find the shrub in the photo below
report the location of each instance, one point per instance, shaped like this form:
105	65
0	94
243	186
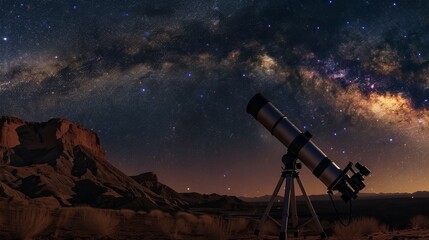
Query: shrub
182	227
162	222
214	228
238	225
185	223
98	221
358	228
142	212
270	227
187	217
127	213
95	221
28	222
63	220
419	221
158	214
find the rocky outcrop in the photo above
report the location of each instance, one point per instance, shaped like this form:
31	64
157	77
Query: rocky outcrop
8	135
44	142
60	161
187	200
165	194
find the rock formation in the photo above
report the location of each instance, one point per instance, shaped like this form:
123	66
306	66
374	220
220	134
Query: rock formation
59	163
64	164
44	142
169	196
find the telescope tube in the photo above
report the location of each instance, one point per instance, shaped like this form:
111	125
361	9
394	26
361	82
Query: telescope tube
298	143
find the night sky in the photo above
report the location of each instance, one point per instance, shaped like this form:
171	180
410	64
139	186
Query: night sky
165	84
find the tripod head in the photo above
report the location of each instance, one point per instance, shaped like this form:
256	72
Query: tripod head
291	161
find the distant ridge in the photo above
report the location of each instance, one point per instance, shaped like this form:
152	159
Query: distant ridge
418	194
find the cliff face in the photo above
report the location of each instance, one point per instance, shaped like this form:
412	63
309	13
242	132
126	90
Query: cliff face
44	142
150	180
8	135
60	163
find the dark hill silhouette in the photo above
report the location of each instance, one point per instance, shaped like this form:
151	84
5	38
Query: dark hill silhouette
322	197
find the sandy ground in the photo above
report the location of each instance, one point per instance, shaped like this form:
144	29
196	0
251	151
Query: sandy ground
402	235
128	225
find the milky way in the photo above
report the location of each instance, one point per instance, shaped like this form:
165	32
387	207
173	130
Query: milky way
165	84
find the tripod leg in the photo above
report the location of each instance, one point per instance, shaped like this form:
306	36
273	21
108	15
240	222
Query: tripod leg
293	210
286	204
270	205
312	211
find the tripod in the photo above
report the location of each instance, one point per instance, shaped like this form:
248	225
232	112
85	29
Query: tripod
290	174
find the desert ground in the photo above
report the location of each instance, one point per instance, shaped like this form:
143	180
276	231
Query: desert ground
40	222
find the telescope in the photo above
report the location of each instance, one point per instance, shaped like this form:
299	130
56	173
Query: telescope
300	145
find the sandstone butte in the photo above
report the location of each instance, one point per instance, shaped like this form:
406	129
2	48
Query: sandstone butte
59	163
34	141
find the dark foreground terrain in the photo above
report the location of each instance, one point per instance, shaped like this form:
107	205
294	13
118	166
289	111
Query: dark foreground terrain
395	218
395	212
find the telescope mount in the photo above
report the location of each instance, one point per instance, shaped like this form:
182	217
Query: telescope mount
290	174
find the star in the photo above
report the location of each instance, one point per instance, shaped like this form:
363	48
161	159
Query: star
176	86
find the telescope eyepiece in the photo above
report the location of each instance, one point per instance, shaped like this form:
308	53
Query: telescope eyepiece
357	182
362	169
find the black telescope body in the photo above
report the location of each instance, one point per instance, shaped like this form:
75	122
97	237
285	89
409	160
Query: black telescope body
300	145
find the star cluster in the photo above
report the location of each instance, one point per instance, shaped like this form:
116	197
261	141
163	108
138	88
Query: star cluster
165	84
